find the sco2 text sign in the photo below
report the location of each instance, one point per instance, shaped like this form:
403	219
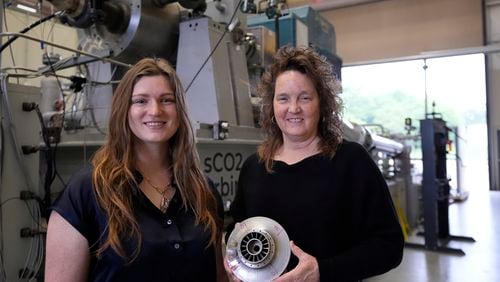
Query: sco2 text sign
222	163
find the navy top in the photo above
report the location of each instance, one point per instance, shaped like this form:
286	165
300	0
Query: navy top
338	210
173	247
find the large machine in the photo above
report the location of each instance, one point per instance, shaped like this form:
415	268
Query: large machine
219	58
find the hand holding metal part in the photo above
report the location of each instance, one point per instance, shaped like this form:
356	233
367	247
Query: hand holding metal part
258	249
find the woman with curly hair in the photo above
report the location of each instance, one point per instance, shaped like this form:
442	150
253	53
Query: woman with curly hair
326	192
145	211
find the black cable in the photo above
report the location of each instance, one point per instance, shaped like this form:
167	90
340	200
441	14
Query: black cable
56	173
26	29
216	46
51	160
8	200
51	172
44	129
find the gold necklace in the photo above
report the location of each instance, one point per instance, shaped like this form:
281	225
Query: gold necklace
164	203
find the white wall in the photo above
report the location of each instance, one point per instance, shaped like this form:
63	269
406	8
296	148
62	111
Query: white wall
398	28
28	54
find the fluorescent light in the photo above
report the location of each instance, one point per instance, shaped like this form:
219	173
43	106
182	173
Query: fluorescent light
26	8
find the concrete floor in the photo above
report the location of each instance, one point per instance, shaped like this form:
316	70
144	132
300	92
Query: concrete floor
475	217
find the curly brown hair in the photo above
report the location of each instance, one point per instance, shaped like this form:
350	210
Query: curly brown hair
114	164
307	61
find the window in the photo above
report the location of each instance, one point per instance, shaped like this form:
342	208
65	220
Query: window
386	94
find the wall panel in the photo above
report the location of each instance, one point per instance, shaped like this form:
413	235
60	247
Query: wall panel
399	28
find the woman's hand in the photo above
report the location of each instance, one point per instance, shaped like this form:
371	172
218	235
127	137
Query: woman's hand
229	271
230	275
306	270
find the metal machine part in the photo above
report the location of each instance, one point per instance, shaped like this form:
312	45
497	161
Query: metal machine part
387	145
19	173
120	27
74	8
130	23
220	90
357	133
188	4
258	249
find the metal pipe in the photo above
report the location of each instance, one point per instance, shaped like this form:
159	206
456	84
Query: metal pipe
104	59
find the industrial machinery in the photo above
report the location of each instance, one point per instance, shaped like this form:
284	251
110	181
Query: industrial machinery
436	188
219	59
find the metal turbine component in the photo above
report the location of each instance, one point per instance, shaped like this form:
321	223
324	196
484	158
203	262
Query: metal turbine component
258	249
129	23
119	28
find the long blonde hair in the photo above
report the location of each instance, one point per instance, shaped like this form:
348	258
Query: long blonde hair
113	174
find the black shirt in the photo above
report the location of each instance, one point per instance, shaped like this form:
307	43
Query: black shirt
173	247
338	210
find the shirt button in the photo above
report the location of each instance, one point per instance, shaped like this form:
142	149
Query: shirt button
177	246
169	222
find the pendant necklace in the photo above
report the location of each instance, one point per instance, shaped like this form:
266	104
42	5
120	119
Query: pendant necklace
164	203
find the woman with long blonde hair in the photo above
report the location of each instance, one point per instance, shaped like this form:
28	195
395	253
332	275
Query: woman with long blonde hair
145	211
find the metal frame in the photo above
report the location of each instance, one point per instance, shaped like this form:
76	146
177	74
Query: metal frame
487	49
78	60
436	224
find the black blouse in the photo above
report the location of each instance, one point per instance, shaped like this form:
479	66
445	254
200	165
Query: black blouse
173	247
